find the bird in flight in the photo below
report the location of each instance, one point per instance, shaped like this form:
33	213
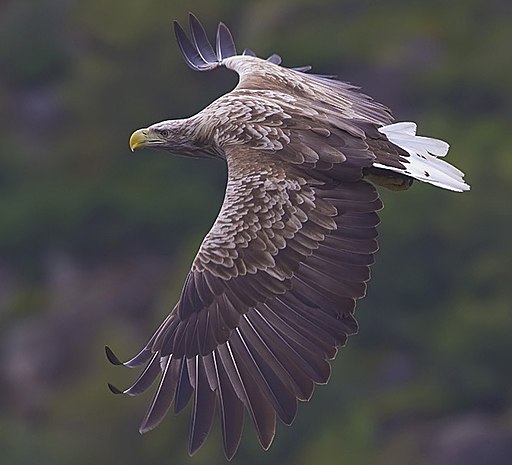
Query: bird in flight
271	293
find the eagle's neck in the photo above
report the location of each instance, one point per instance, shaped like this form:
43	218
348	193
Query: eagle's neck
193	137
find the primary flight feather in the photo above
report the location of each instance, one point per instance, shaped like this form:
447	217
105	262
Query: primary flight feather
271	292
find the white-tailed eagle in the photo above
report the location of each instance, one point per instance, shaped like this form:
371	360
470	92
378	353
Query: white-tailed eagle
271	293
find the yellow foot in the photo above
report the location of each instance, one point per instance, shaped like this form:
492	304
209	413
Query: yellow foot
394	182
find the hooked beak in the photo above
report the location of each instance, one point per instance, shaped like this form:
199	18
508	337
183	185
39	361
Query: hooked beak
139	139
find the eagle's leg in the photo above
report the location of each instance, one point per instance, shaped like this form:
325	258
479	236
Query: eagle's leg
388	179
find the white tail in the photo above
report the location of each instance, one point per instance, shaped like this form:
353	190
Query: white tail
424	163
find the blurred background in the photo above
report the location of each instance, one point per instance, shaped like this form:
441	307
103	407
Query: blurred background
95	242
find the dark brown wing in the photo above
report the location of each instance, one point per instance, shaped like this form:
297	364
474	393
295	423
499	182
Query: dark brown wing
272	290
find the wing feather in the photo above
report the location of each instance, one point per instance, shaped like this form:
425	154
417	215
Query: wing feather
201	42
261	411
184	388
203	407
164	395
231	409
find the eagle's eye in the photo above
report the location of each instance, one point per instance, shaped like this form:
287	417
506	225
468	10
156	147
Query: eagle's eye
164	133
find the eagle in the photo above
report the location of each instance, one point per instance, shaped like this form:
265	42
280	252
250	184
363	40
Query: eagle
271	293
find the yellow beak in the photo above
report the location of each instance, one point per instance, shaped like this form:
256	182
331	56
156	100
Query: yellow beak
138	139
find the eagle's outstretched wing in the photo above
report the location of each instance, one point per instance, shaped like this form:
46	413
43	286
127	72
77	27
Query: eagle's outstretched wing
257	74
268	300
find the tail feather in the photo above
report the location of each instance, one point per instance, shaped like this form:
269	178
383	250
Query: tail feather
424	163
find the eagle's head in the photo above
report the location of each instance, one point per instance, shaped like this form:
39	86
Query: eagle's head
172	136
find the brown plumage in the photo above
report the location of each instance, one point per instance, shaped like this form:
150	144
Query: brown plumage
271	293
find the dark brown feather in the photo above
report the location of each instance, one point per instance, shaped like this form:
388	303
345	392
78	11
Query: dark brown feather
203	408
